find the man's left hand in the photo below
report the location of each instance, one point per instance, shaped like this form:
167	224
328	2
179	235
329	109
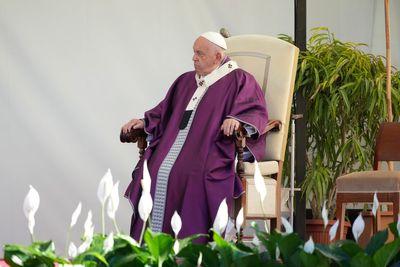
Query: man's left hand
229	125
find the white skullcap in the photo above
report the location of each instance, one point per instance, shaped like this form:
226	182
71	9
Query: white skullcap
215	38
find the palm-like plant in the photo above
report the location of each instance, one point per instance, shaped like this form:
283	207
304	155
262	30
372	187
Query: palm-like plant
346	100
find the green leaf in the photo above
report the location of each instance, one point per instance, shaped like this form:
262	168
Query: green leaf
386	254
377	241
160	245
288	245
361	260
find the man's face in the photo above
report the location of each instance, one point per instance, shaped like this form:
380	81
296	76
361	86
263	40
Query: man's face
205	56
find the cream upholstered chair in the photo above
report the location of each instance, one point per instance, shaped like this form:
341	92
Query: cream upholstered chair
273	62
360	187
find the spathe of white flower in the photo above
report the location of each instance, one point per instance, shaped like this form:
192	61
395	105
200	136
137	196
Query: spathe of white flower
309	246
221	219
30	207
287	225
200	259
75	215
17	260
255	241
88	226
145	206
259	182
113	201
105	187
85	245
239	220
277	253
398	223
146	180
324	215
375	205
176	223
358	227
176	246
108	243
333	230
72	250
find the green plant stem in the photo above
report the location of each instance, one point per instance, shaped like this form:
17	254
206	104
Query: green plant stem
67	241
116	225
142	232
264	214
102	220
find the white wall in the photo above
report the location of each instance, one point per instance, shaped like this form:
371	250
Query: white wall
72	72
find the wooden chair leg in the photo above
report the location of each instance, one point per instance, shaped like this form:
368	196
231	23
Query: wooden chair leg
396	201
340	214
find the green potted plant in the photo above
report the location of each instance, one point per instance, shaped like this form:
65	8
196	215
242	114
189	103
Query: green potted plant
345	94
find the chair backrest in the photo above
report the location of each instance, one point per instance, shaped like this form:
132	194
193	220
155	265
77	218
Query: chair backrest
387	143
273	62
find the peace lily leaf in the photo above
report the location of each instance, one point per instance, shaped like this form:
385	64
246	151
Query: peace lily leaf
361	260
332	252
375	205
333	230
159	244
228	252
358	227
377	241
105	187
221	219
288	245
176	223
386	253
75	215
259	182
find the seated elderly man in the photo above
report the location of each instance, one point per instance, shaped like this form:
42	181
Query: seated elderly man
191	155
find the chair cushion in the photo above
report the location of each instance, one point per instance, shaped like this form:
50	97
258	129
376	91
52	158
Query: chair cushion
266	168
369	181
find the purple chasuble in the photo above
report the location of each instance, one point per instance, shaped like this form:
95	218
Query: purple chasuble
204	171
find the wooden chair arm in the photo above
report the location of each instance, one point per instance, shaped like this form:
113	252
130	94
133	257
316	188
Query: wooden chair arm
273	125
133	136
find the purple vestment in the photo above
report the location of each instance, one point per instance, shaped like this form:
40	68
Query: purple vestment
204	172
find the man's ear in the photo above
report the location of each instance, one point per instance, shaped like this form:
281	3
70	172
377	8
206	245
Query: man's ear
218	56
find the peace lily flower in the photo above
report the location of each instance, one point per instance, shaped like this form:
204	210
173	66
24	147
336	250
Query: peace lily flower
259	182
75	215
324	214
200	259
333	230
17	260
176	246
88	226
103	192
112	204
108	243
277	253
176	223
309	246
239	221
145	201
221	219
375	205
72	250
398	223
358	227
287	225
146	180
30	207
85	245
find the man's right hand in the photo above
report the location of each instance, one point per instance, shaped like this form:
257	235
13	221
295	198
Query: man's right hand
132	124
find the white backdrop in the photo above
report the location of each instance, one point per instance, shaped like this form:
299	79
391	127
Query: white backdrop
72	72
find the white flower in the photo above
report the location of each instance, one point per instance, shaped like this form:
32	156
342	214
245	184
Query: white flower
324	214
53	246
375	205
105	187
17	260
146	180
108	243
113	201
255	241
221	219
309	246
89	228
176	246
72	250
358	227
398	223
75	215
333	230
200	259
286	224
145	206
176	223
259	182
277	253
239	220
30	207
85	245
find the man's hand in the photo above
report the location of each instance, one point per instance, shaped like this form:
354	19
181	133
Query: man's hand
132	124
229	125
